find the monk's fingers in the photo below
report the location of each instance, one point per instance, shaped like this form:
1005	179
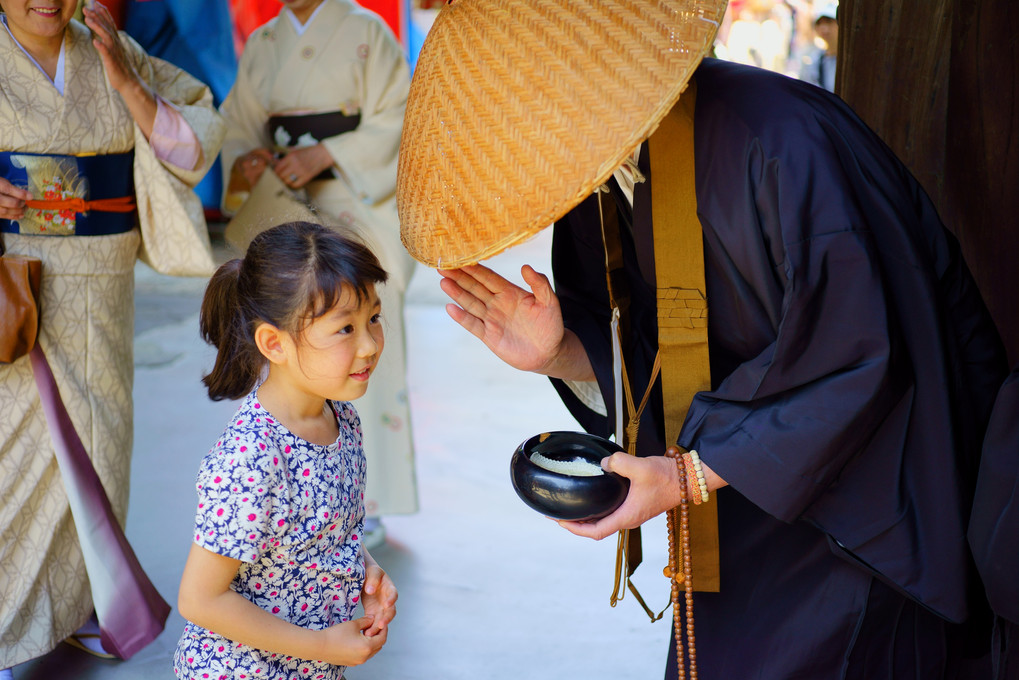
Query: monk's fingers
488	279
462	284
471	323
466	299
539	283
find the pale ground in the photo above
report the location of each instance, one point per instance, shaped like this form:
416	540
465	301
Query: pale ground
489	589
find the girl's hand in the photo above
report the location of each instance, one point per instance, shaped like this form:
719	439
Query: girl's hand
378	596
654	488
12	200
348	644
302	165
524	329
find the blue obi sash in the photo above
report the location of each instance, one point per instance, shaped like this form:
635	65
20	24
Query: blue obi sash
72	195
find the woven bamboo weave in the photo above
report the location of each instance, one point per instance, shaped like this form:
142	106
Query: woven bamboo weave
519	109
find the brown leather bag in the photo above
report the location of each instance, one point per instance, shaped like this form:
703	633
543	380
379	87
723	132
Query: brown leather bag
20	277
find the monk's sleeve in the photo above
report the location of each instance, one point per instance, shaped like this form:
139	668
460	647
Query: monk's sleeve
994	524
783	425
578	262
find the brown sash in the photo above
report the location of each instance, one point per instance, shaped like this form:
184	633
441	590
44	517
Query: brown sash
682	325
682	304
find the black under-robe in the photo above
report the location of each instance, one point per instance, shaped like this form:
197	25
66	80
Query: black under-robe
853	368
994	526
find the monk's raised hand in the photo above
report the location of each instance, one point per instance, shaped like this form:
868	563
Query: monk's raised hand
523	328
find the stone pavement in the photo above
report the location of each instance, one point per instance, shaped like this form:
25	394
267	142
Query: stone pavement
489	589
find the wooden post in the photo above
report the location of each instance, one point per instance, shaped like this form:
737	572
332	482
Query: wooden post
938	80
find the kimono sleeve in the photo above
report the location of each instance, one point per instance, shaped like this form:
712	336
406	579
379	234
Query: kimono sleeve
994	524
175	236
367	156
578	263
238	503
785	422
244	110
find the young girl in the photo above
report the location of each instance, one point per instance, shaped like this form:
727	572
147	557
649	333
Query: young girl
277	566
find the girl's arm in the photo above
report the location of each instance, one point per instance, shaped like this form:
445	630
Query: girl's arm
378	596
207	599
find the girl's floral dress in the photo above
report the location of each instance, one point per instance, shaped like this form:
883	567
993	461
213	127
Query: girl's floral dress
291	512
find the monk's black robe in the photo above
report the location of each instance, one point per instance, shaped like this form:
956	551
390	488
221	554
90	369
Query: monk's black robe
994	526
853	369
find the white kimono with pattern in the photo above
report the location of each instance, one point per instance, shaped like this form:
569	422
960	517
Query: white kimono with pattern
346	60
87	321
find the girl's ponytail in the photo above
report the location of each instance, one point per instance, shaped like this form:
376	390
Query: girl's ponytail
223	325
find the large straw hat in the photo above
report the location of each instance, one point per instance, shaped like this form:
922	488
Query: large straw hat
520	108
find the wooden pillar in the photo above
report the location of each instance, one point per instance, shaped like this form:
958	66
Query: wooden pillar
938	80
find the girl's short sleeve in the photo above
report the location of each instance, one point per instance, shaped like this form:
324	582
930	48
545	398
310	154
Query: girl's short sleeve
238	503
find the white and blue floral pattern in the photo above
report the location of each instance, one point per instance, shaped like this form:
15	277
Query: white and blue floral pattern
292	512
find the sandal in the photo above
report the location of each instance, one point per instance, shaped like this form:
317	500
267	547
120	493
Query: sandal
78	640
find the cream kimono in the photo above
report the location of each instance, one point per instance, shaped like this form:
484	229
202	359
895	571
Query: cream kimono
87	322
346	60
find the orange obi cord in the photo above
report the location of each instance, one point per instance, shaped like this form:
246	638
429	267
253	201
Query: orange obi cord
122	204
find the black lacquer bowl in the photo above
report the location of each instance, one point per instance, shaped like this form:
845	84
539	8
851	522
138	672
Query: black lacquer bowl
563	496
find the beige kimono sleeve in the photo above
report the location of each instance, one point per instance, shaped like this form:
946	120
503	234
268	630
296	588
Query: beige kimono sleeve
175	237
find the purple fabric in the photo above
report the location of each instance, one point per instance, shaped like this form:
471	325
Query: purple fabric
131	612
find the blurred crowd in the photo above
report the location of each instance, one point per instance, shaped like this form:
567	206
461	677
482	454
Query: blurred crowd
796	37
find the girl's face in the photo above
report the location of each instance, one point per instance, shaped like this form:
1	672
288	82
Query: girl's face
36	21
339	350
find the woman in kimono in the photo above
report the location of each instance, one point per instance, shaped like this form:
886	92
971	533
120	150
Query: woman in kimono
89	117
319	100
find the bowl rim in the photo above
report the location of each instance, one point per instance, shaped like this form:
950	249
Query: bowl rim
521	451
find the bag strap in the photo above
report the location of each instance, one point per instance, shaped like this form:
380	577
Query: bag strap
682	304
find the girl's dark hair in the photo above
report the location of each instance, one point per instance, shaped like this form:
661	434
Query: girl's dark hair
291	274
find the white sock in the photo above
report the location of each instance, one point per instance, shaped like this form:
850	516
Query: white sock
91	627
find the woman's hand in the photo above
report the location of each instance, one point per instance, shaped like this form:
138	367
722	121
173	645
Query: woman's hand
251	165
524	329
12	200
123	77
302	165
378	596
655	486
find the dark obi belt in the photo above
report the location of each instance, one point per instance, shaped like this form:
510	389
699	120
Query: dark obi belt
72	195
295	131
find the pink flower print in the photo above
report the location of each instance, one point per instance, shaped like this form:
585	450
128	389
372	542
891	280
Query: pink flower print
286	449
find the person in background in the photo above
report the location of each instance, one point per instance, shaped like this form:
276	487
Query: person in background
319	100
818	65
84	116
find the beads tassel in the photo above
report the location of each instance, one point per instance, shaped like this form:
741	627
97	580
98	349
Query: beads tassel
678	520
